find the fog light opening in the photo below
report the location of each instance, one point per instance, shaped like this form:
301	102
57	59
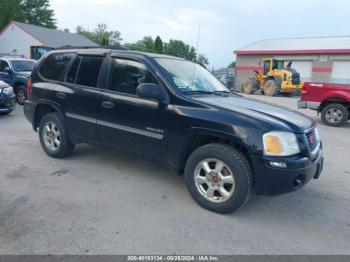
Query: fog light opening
298	182
278	164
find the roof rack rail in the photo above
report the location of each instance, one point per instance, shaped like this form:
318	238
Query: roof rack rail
90	47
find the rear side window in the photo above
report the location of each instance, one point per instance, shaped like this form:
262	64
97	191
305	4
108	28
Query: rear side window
54	65
89	70
72	73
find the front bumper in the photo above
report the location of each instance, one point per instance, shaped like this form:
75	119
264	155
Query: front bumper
7	103
274	181
310	105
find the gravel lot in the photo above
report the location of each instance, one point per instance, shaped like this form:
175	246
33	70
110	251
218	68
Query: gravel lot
99	201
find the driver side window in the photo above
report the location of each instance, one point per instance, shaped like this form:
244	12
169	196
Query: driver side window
127	74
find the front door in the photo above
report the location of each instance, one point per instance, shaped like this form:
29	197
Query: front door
128	122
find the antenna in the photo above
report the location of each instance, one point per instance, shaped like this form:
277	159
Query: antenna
195	62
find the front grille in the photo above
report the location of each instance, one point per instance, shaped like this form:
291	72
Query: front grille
311	139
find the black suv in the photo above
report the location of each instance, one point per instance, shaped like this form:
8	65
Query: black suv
176	113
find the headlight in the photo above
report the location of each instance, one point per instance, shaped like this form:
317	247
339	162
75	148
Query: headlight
278	143
7	90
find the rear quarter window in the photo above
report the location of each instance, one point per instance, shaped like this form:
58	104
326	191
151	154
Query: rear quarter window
54	65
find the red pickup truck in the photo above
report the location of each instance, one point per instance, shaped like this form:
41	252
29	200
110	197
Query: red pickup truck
331	100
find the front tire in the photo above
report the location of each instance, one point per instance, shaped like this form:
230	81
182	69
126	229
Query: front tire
271	88
54	137
21	94
334	115
219	178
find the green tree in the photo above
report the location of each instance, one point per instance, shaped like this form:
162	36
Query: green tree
179	49
158	45
10	10
38	12
202	60
174	47
232	64
144	45
101	35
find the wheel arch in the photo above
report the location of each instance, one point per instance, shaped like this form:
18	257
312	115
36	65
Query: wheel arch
42	109
199	139
331	100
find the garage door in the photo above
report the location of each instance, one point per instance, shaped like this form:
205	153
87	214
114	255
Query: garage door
304	68
341	72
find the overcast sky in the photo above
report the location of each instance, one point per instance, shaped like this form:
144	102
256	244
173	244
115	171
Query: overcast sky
226	25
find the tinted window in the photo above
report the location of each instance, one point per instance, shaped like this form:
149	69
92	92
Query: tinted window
54	65
127	74
72	73
89	70
3	65
22	65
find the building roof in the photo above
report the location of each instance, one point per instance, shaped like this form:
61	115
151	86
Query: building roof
313	45
54	38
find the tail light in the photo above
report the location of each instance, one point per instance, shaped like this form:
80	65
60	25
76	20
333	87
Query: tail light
29	87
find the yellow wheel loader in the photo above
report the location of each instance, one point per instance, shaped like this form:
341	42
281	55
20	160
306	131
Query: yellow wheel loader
275	78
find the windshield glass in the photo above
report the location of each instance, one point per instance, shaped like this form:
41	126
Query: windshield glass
22	65
190	77
278	64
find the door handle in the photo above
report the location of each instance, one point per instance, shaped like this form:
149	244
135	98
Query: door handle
61	95
107	104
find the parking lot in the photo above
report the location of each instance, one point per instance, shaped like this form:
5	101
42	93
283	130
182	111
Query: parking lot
100	201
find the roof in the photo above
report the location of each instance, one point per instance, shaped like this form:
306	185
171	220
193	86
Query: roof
114	51
313	45
54	38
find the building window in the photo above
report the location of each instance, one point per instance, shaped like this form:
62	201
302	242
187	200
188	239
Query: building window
341	72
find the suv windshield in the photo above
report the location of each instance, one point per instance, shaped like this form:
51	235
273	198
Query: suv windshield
191	77
22	65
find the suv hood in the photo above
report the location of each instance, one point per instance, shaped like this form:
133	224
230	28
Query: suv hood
274	114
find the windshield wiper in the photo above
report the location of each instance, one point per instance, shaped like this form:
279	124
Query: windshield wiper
219	93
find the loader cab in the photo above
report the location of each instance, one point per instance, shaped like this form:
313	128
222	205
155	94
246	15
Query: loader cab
272	64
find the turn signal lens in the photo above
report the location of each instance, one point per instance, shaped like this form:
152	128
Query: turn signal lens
273	145
279	143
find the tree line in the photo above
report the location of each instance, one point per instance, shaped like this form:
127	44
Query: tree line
38	12
109	38
35	12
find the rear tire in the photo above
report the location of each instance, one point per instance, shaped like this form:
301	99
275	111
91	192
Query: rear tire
21	94
334	115
271	88
219	178
54	137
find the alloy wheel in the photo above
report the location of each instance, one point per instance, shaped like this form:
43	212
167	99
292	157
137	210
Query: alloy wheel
52	136
214	180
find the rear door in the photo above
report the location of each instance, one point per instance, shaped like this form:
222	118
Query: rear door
81	101
128	122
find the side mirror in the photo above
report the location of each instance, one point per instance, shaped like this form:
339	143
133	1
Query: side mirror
152	91
7	70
